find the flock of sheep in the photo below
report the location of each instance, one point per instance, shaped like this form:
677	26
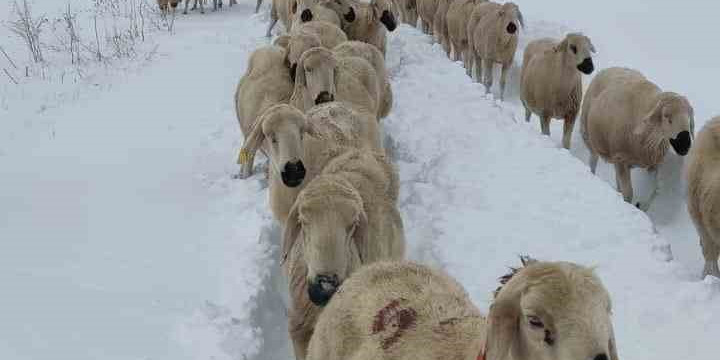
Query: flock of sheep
313	102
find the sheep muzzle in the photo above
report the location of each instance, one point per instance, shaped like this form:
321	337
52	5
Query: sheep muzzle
586	67
681	144
293	174
306	15
350	16
388	19
322	288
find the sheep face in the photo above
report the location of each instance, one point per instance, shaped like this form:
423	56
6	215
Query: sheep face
300	42
343	8
316	72
510	20
673	114
551	311
579	49
282	128
382	12
329	222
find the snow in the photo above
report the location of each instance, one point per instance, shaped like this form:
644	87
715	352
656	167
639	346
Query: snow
124	236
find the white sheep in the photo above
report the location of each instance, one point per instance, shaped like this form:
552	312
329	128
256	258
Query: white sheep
266	82
217	4
283	10
407	11
551	80
337	12
440	29
344	218
372	23
297	145
322	76
458	15
704	193
630	122
401	310
494	39
426	10
312	34
377	60
165	5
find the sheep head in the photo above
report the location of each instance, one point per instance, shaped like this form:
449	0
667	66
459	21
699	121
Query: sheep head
382	12
329	222
551	311
316	76
283	127
578	50
510	20
673	118
343	8
299	42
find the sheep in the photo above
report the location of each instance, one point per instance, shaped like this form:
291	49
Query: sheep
493	40
165	5
283	10
407	10
312	34
266	82
376	59
631	122
440	29
337	12
426	10
401	310
372	23
457	17
217	4
321	77
704	193
551	81
297	145
344	218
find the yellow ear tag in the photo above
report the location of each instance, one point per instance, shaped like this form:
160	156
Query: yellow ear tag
243	156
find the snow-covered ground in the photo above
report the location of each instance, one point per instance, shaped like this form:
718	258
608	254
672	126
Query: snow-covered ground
123	235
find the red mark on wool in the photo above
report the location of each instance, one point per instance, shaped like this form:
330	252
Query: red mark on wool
393	320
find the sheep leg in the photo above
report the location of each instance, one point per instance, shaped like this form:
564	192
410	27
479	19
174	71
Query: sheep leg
202	7
503	80
545	125
711	252
456	51
528	113
488	77
622	177
187	3
257	7
593	162
653	195
273	20
467	60
567	132
477	64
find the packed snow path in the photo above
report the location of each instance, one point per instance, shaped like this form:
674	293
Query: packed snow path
129	239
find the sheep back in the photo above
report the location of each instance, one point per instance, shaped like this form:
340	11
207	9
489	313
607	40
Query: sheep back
704	182
398	310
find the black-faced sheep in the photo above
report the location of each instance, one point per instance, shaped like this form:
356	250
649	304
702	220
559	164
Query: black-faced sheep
630	122
551	80
338	12
494	40
704	193
406	311
372	23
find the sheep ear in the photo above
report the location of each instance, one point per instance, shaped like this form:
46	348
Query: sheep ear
612	348
562	46
592	47
361	235
651	119
291	232
503	321
282	41
252	141
521	19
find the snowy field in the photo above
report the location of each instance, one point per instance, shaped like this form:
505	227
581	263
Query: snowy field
123	235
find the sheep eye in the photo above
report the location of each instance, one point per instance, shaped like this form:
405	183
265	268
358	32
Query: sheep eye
535	322
573	48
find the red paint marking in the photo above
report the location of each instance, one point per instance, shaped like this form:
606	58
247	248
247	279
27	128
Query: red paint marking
396	320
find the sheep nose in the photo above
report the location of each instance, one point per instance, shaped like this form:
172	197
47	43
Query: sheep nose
511	28
322	288
600	357
293	174
350	16
388	19
306	15
681	144
586	67
324	97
